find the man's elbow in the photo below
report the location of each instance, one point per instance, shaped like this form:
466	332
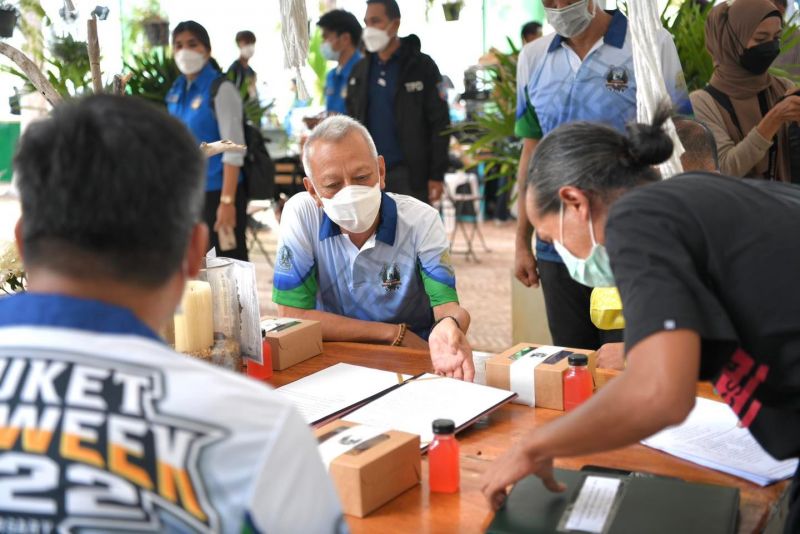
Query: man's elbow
672	406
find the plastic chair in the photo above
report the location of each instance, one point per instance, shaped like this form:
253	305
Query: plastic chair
462	207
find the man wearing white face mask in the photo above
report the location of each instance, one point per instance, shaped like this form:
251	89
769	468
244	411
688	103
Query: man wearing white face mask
583	72
240	72
396	92
341	34
371	267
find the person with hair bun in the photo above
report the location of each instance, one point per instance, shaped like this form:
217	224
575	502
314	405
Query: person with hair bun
706	267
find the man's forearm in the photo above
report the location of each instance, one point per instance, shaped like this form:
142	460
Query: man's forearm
230	179
339	328
655	391
524	228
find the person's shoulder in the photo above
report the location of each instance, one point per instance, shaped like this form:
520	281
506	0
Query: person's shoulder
303	206
536	50
786	83
665	196
414	212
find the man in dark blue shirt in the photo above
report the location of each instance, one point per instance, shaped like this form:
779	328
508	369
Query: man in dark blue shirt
341	34
395	91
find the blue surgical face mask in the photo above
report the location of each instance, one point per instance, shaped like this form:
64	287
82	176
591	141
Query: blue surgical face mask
329	53
595	269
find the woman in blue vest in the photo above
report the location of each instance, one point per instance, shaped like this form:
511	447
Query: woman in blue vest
211	117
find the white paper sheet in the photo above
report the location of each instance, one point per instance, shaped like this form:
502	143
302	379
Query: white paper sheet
331	390
413	407
593	505
712	437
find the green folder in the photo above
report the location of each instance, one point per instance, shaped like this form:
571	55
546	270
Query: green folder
643	504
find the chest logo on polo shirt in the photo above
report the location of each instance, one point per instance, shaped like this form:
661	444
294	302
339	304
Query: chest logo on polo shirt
617	79
196	102
390	278
284	260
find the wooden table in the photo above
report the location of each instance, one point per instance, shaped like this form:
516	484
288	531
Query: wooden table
417	510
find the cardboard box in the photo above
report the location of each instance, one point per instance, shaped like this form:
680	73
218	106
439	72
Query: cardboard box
547	376
375	471
294	344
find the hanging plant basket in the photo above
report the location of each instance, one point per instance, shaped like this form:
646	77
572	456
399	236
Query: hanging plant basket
8	19
452	10
157	31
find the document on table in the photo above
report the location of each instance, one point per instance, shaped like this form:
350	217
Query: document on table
711	437
333	390
593	507
414	406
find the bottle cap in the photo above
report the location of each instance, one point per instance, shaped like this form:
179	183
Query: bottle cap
444	426
578	359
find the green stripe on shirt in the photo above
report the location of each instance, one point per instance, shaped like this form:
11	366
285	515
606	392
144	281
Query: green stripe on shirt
438	293
527	126
303	296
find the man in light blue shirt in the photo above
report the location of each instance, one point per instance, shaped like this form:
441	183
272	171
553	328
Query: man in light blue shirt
584	72
370	266
341	34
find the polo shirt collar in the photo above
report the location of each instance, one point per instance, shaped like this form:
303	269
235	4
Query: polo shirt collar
615	34
387	227
61	311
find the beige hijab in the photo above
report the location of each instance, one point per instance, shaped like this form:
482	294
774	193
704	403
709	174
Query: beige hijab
728	29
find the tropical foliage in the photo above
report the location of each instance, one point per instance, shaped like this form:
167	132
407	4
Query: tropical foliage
494	145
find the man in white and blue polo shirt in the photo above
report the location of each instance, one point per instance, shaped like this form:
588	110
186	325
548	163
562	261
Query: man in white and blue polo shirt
583	72
370	266
103	427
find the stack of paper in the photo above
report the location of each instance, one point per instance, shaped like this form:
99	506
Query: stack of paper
334	390
414	406
711	437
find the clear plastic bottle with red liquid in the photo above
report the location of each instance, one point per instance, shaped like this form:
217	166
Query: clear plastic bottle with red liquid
578	384
443	458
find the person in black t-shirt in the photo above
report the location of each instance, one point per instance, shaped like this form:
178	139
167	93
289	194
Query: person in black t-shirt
707	269
240	72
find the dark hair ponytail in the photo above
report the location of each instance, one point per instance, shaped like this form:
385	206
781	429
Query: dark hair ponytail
598	159
648	144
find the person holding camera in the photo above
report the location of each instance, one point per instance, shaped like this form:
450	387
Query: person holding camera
750	111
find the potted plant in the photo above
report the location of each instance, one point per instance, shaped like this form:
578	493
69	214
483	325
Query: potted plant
156	29
151	21
452	9
8	19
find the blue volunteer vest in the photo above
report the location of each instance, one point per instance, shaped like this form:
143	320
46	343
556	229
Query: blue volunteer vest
192	105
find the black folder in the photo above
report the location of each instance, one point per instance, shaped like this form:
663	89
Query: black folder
644	504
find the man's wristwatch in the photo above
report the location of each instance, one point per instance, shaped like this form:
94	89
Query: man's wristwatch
226	199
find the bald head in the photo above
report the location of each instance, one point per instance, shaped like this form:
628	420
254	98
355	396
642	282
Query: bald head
700	146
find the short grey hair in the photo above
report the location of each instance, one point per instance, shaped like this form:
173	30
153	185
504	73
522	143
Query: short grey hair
335	129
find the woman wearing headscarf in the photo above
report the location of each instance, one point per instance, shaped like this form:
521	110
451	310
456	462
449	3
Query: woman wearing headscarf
747	108
210	106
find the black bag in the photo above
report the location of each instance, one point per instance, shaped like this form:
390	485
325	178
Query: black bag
258	168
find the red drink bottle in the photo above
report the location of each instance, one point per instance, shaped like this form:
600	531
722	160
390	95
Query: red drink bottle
578	384
443	459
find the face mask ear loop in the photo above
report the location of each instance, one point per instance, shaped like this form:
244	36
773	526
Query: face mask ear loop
561	224
591	228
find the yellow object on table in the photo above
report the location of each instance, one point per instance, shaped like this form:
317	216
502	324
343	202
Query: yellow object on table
194	325
605	309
